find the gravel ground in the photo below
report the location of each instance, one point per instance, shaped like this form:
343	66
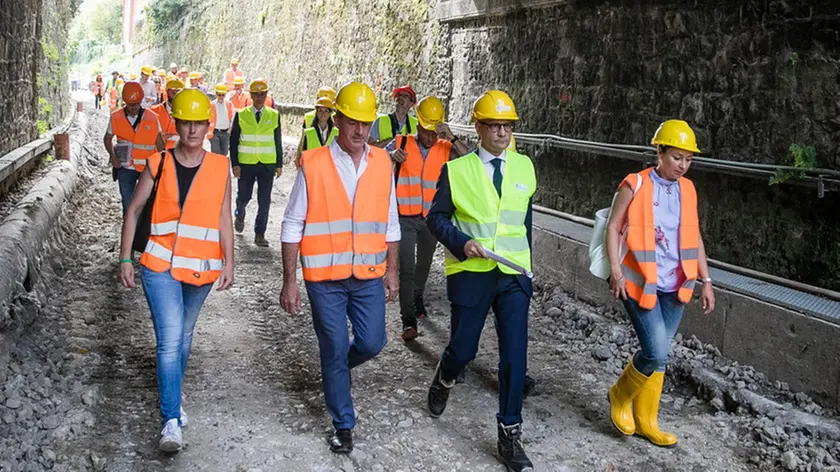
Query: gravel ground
79	389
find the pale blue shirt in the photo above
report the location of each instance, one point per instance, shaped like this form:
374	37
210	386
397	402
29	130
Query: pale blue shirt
666	224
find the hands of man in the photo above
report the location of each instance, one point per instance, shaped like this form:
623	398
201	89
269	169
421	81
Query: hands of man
290	298
237	171
399	156
392	286
474	249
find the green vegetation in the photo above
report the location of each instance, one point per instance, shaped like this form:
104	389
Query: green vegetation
162	18
803	157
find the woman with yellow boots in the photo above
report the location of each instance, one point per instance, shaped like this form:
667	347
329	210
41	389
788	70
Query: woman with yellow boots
656	212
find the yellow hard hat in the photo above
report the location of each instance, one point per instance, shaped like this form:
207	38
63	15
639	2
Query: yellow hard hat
238	80
494	105
132	76
234	61
191	105
325	102
675	133
258	86
326	92
161	72
430	113
120	81
195	75
357	102
174	83
147	70
221	89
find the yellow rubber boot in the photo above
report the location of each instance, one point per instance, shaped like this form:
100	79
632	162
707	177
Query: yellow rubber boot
621	397
646	412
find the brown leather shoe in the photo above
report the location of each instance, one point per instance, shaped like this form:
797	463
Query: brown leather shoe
260	240
409	333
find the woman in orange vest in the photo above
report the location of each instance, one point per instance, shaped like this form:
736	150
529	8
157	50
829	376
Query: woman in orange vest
190	247
656	211
98	90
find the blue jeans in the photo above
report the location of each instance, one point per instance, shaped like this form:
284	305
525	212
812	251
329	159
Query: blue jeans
655	329
263	176
174	306
127	180
363	302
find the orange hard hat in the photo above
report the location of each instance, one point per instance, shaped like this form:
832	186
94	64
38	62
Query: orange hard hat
132	93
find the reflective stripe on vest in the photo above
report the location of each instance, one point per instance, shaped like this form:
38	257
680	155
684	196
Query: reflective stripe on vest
639	265
186	241
417	180
496	223
340	239
256	143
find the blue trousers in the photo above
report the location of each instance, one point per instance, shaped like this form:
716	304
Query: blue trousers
509	301
363	302
174	306
263	176
655	329
127	180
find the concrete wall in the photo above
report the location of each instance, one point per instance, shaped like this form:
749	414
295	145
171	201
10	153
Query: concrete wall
785	345
33	37
751	76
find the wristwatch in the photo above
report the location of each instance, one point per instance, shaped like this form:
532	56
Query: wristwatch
706	280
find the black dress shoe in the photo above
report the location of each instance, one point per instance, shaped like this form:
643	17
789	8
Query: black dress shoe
438	394
510	448
530	385
462	376
341	442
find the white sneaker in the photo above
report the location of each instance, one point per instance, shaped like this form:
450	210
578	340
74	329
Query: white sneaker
170	437
184	418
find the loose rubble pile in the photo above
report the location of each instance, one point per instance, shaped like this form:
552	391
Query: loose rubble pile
786	429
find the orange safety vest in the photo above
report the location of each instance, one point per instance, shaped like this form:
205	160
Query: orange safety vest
98	86
343	239
639	265
187	241
167	124
240	101
230	75
417	178
113	98
142	139
213	116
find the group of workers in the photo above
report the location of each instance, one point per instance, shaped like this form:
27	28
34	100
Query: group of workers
373	196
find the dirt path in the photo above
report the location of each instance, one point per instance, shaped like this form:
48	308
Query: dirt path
253	389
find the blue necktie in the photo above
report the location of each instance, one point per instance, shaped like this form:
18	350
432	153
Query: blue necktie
258	115
497	175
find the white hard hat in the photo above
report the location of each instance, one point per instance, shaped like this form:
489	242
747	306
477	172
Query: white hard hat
173	65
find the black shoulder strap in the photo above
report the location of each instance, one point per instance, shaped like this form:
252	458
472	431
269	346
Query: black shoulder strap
137	121
394	124
398	165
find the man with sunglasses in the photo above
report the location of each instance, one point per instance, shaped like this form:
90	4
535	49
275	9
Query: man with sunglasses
483	202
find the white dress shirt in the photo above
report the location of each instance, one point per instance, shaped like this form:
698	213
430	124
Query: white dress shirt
486	157
294	220
150	93
222	120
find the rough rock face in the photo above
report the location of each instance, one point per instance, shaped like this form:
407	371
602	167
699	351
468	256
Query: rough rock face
752	77
32	64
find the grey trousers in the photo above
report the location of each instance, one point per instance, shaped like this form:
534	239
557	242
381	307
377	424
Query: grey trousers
220	142
417	248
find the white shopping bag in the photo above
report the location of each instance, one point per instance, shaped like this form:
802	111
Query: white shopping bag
599	261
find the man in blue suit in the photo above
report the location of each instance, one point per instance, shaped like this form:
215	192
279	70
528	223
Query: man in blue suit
483	202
